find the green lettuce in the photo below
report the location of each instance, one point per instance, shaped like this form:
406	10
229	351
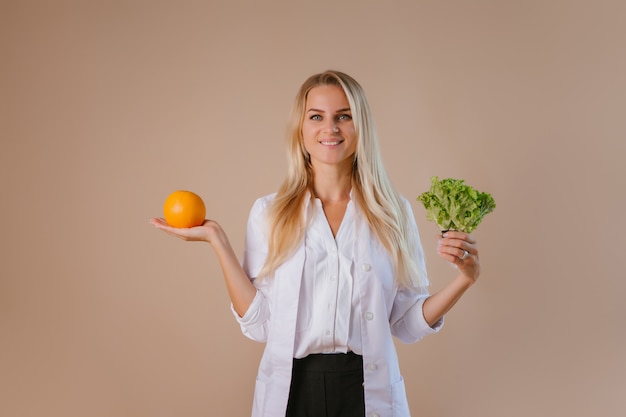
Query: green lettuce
454	205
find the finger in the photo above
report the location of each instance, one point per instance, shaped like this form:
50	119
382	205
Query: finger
458	249
447	257
453	234
454	260
162	224
455	244
463	254
454	253
158	222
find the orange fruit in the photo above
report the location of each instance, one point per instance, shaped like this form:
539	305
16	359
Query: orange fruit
184	209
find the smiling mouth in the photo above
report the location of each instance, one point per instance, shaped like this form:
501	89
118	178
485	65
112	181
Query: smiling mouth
330	142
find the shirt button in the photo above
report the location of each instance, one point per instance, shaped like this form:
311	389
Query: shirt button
374	415
368	316
327	332
372	367
366	267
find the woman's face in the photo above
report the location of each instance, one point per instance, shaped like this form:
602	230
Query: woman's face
328	129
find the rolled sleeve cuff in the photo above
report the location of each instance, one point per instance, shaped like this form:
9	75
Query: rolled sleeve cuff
423	324
414	326
252	316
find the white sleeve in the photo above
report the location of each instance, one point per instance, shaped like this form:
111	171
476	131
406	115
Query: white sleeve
407	317
257	239
254	322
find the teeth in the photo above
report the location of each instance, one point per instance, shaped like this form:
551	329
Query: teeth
331	143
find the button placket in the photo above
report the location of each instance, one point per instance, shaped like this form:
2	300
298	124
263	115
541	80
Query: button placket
332	287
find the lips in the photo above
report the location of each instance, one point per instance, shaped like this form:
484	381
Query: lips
331	142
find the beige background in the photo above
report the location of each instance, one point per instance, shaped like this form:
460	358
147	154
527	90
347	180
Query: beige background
108	106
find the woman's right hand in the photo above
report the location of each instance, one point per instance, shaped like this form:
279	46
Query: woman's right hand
209	231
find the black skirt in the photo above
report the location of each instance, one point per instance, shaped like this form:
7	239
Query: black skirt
327	385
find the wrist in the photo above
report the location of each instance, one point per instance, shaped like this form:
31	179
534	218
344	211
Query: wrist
465	281
217	237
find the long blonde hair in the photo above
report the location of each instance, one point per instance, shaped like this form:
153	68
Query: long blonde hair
384	210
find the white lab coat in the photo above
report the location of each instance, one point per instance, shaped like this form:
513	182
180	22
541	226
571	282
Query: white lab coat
386	310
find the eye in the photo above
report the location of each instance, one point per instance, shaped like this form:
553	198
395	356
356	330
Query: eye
316	117
344	117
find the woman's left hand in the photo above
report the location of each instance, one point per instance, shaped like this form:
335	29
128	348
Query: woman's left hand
460	249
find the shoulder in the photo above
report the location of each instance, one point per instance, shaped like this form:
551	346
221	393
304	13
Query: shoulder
405	204
404	200
262	203
406	212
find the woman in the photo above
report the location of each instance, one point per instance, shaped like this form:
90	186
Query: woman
333	267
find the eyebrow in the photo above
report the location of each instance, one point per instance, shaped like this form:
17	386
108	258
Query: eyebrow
322	111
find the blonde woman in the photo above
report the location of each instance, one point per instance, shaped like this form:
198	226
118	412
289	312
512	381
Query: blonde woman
333	267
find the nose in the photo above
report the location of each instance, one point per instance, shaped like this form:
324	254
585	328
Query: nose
332	126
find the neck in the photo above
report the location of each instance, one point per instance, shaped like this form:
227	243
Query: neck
332	185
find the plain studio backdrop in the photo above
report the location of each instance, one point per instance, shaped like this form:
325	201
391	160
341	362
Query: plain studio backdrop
108	106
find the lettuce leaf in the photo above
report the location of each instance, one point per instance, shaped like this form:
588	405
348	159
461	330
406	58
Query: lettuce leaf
454	205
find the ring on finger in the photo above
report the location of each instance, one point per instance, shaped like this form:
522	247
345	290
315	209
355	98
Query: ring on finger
465	253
